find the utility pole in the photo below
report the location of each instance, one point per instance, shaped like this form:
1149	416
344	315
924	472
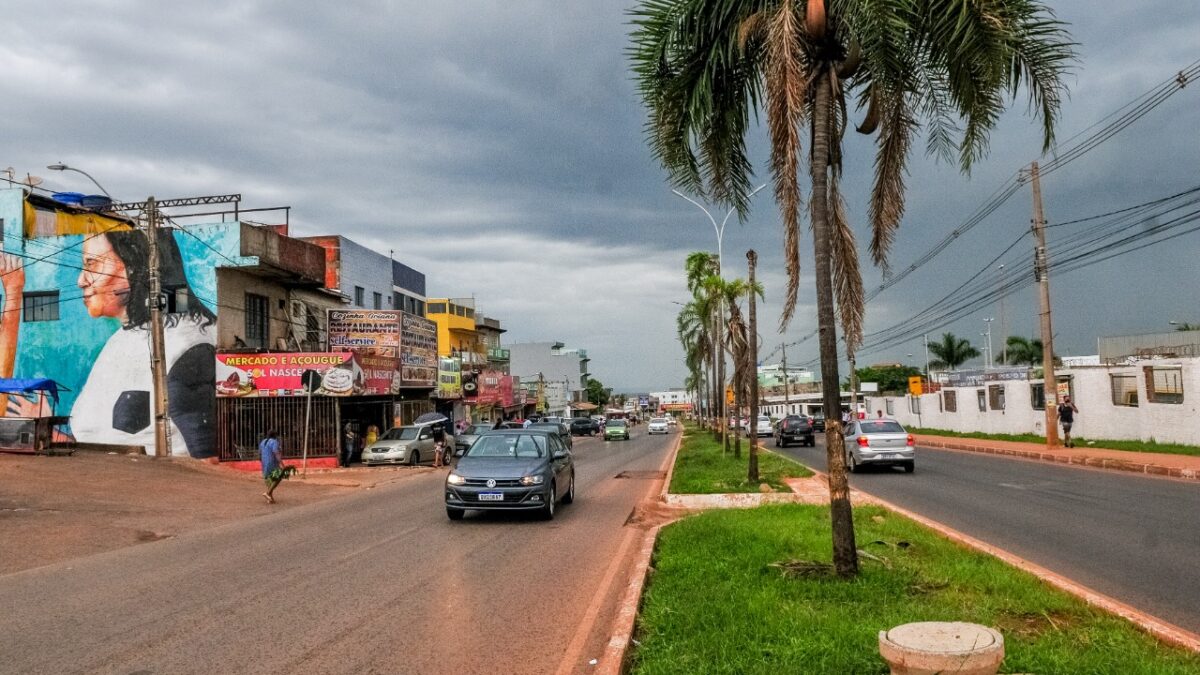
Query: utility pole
988	335
787	401
158	368
926	336
1041	271
853	388
1003	320
752	472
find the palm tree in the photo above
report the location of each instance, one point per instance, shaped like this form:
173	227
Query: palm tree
1023	350
951	352
704	66
732	292
1187	326
702	270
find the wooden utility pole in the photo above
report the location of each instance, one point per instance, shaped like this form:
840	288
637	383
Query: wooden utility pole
158	369
1041	271
752	370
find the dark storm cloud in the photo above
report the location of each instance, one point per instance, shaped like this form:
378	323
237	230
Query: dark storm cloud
499	148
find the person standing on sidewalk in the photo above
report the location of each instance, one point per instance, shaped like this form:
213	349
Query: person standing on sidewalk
349	441
1066	416
272	464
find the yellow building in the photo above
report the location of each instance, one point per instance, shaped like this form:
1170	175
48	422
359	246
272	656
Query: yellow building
455	319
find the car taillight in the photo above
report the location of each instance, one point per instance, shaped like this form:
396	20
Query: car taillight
863	442
911	441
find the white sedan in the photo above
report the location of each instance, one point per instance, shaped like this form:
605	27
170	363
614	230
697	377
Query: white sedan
658	425
763	428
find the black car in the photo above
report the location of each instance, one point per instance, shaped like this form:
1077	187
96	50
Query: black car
563	431
818	422
512	470
583	426
794	429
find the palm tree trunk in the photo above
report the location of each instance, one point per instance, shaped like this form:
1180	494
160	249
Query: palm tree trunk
738	402
721	380
845	554
752	357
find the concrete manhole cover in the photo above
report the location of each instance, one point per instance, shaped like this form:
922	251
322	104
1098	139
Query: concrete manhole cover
643	475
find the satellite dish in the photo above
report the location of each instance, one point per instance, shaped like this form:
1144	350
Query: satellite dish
32	181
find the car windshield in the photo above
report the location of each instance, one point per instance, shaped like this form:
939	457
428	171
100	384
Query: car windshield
615	423
511	446
880	427
476	429
658	420
546	427
400	434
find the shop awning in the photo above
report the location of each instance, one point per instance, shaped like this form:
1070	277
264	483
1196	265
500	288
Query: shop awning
15	386
583	406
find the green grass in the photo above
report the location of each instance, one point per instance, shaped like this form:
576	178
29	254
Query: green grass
714	604
702	468
1127	446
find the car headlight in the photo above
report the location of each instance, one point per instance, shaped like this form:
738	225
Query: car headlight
455	479
531	480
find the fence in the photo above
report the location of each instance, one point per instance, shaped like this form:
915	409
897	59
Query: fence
242	422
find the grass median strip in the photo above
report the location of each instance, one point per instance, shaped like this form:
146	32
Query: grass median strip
744	591
1080	443
703	468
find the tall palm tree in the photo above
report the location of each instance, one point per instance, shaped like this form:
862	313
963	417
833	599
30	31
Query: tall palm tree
951	352
1023	350
704	66
733	292
702	270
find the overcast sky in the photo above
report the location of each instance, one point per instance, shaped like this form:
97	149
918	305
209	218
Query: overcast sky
498	147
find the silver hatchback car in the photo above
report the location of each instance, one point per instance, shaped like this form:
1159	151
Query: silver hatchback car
879	442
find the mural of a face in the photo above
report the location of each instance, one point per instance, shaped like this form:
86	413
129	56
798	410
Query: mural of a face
104	280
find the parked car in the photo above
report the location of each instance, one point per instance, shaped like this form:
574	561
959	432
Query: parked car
616	428
794	429
411	444
563	431
818	422
468	436
510	425
658	425
517	469
582	426
762	427
879	442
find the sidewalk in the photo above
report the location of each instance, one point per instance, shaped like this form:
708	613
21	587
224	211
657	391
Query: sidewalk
1151	463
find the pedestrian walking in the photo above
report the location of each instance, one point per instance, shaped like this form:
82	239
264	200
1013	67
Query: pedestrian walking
272	464
525	424
1066	417
440	456
349	441
879	414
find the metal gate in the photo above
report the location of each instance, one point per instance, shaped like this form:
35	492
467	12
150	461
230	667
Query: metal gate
243	422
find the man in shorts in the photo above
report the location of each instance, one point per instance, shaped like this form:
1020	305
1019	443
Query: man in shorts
1066	416
272	460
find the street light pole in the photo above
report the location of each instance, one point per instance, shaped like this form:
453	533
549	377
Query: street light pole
63	167
988	334
719	229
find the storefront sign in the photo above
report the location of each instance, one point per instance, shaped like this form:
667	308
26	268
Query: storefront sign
365	331
381	374
449	377
279	374
489	387
418	351
506	390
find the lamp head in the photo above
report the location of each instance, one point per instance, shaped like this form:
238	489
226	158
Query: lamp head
58	167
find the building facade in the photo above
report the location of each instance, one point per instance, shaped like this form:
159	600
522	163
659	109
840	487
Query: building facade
562	372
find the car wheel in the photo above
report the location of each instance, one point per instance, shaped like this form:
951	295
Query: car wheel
455	514
851	463
569	498
414	458
548	509
910	467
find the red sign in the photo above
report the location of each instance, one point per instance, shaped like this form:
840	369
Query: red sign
506	390
489	387
279	374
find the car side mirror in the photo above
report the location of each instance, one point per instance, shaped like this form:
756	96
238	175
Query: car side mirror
560	454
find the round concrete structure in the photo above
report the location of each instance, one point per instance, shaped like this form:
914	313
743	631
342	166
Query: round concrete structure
930	647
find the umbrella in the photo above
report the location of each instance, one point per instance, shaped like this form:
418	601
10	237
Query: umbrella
431	418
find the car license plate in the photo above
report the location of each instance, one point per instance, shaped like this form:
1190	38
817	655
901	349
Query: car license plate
491	496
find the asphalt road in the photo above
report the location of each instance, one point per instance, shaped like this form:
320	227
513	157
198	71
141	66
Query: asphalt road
375	582
1131	537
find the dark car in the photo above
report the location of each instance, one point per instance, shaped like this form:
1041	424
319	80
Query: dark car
563	431
512	470
582	426
794	429
818	422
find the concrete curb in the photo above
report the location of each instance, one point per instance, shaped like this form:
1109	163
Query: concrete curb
613	661
1077	460
1156	627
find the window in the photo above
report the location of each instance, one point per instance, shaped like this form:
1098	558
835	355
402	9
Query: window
468	312
981	398
950	401
1163	385
377	300
996	396
437	308
360	294
258	330
420	306
40	306
914	405
1037	391
1124	390
889	406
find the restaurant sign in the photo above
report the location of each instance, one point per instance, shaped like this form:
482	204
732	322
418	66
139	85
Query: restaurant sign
281	374
365	331
418	351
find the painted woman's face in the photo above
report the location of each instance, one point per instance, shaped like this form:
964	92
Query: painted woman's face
104	281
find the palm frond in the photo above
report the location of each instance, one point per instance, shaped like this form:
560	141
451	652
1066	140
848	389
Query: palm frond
847	277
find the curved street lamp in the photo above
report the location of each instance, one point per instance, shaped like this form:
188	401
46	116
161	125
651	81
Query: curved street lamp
63	167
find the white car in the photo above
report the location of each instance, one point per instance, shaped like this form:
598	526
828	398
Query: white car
672	422
658	425
763	428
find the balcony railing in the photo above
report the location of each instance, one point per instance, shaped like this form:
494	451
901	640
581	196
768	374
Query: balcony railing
496	354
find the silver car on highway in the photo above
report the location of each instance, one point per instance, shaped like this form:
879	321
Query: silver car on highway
879	442
403	445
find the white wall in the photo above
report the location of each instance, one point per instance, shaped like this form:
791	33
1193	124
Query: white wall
1097	417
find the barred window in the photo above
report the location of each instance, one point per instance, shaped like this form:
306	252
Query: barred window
1124	390
1163	385
981	398
914	405
40	306
889	406
360	295
377	300
258	325
996	396
950	401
